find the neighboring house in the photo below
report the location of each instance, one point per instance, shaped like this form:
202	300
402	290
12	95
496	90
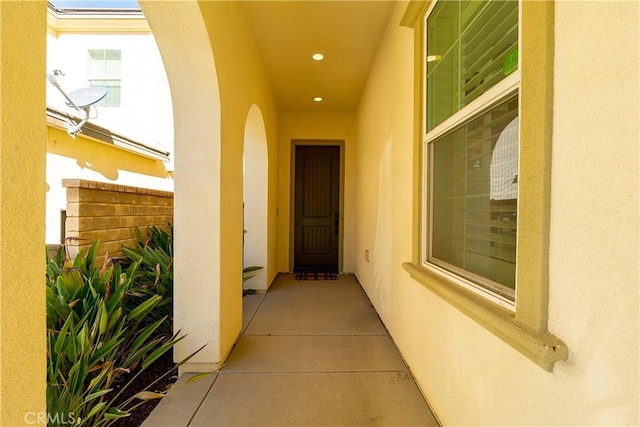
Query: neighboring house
129	138
561	347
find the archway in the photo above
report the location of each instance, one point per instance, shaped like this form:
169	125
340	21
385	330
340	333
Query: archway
255	190
184	44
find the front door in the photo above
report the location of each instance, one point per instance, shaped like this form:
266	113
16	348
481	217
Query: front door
317	208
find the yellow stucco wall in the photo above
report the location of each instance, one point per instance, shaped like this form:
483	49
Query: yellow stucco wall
22	189
242	83
213	88
468	375
315	127
183	41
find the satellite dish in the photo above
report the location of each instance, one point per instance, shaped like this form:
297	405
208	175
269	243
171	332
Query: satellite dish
80	99
87	96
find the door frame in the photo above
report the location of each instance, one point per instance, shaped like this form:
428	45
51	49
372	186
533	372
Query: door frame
292	185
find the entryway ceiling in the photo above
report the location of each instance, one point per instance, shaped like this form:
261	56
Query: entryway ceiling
347	33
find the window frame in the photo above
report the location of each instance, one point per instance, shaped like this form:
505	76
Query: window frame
107	101
505	90
525	327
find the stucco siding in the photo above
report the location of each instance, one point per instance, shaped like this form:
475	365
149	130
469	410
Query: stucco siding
23	343
468	375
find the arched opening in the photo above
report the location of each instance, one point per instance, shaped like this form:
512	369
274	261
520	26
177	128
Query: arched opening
188	59
255	190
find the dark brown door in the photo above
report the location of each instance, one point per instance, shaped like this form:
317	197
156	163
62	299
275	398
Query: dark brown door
317	208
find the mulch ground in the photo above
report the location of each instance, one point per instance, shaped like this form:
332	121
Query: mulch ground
157	369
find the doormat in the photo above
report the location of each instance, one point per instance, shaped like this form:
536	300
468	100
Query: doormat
315	275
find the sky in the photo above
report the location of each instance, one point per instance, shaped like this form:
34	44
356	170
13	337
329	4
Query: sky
98	4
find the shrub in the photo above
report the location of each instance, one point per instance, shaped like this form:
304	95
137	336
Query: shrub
97	334
154	254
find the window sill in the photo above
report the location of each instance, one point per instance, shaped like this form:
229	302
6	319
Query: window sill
541	347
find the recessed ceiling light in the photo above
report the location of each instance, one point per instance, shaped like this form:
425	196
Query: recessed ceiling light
317	56
317	99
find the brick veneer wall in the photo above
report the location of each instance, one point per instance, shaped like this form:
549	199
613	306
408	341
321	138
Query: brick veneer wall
110	213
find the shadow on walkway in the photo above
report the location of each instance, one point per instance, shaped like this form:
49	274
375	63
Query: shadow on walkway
312	353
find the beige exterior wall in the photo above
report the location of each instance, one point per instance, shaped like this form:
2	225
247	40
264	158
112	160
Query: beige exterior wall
594	273
469	376
320	128
22	178
384	163
110	214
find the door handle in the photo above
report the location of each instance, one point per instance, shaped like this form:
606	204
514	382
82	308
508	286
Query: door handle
336	223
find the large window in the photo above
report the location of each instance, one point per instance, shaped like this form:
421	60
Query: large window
483	164
471	144
104	70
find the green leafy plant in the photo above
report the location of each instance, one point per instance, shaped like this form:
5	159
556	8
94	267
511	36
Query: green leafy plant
99	341
246	276
246	270
154	254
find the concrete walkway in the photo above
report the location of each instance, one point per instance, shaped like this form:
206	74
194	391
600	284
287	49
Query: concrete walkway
312	353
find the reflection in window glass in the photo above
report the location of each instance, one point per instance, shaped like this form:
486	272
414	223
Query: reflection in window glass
471	46
474	199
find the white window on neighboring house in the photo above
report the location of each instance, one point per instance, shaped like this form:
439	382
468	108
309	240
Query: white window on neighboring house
471	145
104	70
